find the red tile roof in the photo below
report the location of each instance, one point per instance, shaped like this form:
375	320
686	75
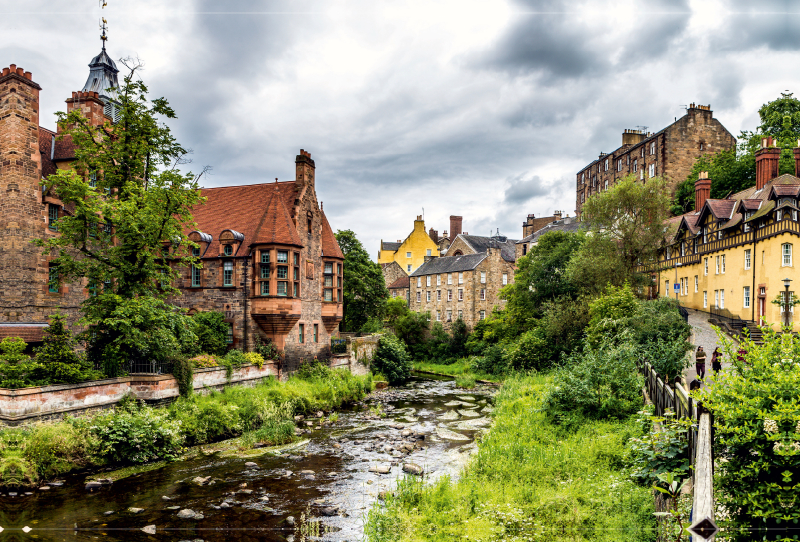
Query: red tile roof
46	149
330	248
242	208
65	148
721	208
31	333
402	282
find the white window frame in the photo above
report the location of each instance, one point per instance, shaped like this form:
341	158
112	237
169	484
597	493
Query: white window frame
408	254
409	268
651	172
428	253
449	278
428	296
652	148
716	260
746	297
722	299
716	298
461	294
696	283
606	185
449	295
705	299
438	295
438	280
419	297
786	255
427	280
747	259
722	264
606	165
438	316
635	166
483	277
666	288
482	315
419	282
461	278
483	294
505	279
706	266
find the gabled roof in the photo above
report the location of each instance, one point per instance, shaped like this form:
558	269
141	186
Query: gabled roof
749	205
763	194
788	190
479	244
720	208
402	282
764	210
566	224
736	219
242	208
46	150
688	221
276	226
65	148
449	264
390	246
330	247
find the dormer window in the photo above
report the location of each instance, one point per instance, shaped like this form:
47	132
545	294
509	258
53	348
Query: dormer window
778	215
228	250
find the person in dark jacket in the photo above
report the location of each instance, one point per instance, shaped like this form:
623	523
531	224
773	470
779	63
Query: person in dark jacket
700	362
716	361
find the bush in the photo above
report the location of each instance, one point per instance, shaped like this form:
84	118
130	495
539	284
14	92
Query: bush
60	363
392	360
465	381
204	361
254	358
311	369
493	362
267	349
183	371
610	313
596	383
234	359
663	449
458	339
16	369
529	352
212	332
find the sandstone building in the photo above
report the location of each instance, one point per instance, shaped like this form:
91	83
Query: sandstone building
566	224
733	254
669	153
464	286
270	260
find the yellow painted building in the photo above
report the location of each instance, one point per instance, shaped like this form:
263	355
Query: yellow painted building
733	254
411	252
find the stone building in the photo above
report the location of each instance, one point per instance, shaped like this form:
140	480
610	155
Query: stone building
669	153
533	224
732	255
271	263
399	288
566	224
465	286
28	153
411	252
465	244
391	272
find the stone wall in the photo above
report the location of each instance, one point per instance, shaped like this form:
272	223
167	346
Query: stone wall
391	272
358	358
53	402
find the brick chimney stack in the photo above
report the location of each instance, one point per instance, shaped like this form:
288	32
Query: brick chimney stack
702	190
767	158
557	214
304	170
455	226
434	235
89	104
796	151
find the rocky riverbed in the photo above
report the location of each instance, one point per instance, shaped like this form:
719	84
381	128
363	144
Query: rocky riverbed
321	486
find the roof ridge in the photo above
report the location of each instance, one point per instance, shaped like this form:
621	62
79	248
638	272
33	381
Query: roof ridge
329	242
293	236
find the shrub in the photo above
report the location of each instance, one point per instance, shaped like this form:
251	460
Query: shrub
466	381
254	358
458	339
596	383
204	361
663	449
212	332
392	360
137	434
311	369
58	357
529	352
16	369
183	371
234	359
610	313
267	349
493	361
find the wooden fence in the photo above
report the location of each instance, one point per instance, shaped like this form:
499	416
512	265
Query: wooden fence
700	438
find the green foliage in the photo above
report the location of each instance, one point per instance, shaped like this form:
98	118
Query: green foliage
17	370
234	359
183	371
364	289
137	434
392	360
254	358
528	352
541	276
396	308
498	327
373	325
458	339
204	360
138	328
610	313
115	232
312	369
413	329
267	349
466	381
597	383
756	411
596	265
493	361
59	360
529	480
663	449
212	332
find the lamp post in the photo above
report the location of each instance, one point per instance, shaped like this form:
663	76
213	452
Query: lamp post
786	282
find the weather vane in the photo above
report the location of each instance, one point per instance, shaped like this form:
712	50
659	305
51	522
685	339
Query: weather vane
103	24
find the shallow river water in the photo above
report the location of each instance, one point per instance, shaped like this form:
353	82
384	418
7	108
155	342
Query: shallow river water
329	476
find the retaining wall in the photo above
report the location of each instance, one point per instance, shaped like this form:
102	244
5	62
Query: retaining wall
360	351
52	402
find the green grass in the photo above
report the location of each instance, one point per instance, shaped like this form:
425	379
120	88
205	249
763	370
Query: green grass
460	367
466	381
261	414
529	480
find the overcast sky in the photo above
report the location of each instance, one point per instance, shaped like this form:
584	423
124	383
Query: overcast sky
479	108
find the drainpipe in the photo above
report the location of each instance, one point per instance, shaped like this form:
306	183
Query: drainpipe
753	264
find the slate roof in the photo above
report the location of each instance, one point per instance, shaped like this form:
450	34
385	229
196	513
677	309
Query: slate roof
449	264
30	332
479	244
721	208
242	208
330	247
65	148
567	224
390	246
402	282
46	150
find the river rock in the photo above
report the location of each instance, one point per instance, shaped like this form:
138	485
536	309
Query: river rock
251	465
172	508
487	409
468	413
471	425
225	505
452	403
309	424
412	468
165	498
149	529
383	494
465	397
134	510
449	415
307	472
447	434
44	488
200	480
245	491
264	499
108	512
89	485
299	418
406	433
329	511
381	469
187	513
319	414
290	521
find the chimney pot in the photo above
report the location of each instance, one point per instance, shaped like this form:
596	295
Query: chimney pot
702	190
28	75
13	68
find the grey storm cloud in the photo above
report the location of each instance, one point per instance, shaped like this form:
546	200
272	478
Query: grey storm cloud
460	111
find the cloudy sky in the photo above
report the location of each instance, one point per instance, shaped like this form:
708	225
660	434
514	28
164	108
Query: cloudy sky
479	108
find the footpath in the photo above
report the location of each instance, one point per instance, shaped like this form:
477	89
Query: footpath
703	335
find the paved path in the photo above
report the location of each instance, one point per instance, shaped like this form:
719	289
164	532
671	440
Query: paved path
703	335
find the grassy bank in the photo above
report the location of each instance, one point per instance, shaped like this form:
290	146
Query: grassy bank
460	367
134	434
530	480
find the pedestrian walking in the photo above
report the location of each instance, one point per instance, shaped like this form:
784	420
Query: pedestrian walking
700	362
716	361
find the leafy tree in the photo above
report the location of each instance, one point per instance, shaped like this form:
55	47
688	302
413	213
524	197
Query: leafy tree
129	208
364	289
392	360
541	276
595	265
458	339
17	369
734	170
60	362
212	332
628	220
413	329
396	308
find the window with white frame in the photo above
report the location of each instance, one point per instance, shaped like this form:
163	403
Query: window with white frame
419	297
409	268
722	299
461	278
460	294
505	279
449	295
666	287
722	264
705	266
635	165
605	187
651	172
419	282
696	281
747	259
641	174
438	280
619	165
717	262
716	298
786	251
483	277
482	315
408	254
460	313
778	215
746	297
438	295
427	280
606	167
428	295
449	278
483	294
652	148
705	299
428	253
438	315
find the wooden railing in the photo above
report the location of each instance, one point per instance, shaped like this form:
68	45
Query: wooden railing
665	396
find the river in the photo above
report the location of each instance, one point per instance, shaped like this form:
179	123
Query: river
329	477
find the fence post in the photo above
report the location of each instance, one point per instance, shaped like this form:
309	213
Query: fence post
703	505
